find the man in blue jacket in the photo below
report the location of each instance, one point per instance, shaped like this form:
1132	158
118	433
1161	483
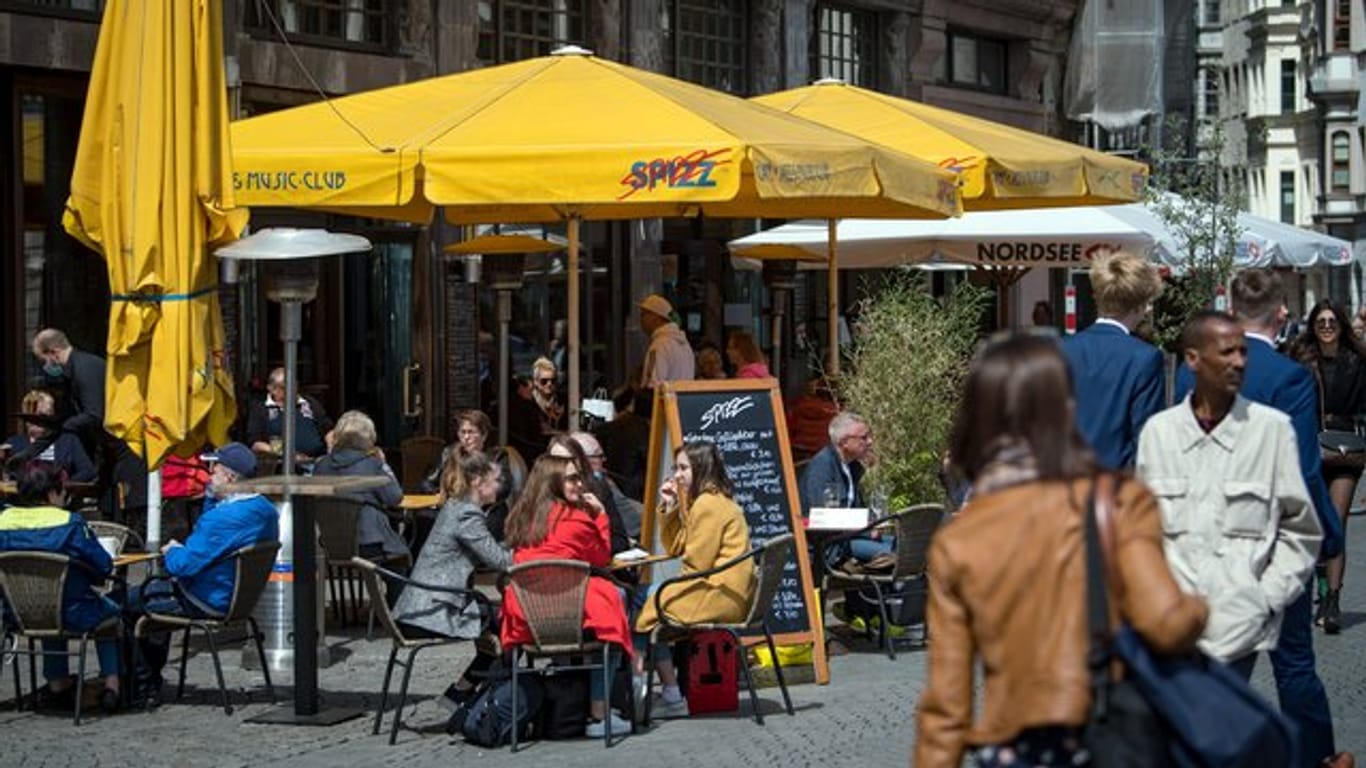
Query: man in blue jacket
202	582
1116	378
1278	381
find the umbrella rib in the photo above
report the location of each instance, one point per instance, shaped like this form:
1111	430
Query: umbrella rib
479	106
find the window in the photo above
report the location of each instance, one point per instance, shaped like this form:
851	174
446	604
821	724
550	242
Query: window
1288	102
1211	92
73	8
977	62
1288	197
1342	25
845	45
705	43
1341	159
363	23
513	30
1211	12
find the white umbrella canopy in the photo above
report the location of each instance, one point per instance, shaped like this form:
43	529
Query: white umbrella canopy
1046	237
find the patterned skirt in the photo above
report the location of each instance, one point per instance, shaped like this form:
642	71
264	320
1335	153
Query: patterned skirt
1052	747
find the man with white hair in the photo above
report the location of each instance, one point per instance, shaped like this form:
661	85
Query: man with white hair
831	477
628	509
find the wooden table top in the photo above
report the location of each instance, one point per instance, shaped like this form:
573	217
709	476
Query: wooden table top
135	557
420	501
312	485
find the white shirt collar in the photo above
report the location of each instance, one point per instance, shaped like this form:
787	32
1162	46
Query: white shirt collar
1260	337
1115	323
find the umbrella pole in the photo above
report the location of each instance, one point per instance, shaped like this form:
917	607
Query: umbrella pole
153	506
832	301
572	282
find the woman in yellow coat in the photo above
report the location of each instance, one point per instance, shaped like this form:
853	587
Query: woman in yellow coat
700	523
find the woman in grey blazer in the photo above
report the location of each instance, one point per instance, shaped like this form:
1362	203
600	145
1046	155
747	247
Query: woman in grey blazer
459	543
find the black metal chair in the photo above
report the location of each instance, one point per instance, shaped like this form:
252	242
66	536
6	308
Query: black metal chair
913	527
33	583
769	560
551	594
254	565
377	581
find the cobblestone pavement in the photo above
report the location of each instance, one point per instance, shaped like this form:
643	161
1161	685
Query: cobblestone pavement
864	717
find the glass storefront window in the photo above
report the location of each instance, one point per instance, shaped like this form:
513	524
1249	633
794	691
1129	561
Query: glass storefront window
58	282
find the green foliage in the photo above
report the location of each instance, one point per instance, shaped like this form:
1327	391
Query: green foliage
905	378
1200	208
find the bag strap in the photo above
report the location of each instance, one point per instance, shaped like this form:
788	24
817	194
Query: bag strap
1099	501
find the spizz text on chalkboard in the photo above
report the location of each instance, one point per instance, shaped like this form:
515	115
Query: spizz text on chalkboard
726	410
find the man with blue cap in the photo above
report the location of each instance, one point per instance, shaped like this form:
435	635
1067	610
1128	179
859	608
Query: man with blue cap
201	583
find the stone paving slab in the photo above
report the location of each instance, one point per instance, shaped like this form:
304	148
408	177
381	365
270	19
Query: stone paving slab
865	717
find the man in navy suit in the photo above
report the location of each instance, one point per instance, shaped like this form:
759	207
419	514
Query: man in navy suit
1117	378
1278	381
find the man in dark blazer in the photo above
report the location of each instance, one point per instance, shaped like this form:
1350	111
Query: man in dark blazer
1116	377
1278	381
81	374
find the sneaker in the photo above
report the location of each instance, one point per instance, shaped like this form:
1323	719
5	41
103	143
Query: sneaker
596	729
666	705
1332	613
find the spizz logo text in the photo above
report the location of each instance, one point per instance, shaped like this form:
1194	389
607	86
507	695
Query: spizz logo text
691	171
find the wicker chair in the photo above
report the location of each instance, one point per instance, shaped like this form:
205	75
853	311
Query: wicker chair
126	536
551	594
913	527
769	561
254	565
336	519
417	456
32	584
377	581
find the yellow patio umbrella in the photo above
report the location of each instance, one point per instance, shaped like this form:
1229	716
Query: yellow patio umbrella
571	137
151	190
1000	166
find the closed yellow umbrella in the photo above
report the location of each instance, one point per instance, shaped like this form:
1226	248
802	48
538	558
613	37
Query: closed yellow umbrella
151	190
1000	166
571	137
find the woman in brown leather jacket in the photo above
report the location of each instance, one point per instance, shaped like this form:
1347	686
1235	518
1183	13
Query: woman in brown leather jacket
1023	616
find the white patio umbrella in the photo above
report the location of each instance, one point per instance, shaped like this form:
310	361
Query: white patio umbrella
1044	237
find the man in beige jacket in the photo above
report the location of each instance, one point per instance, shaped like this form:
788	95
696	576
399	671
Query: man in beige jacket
1239	528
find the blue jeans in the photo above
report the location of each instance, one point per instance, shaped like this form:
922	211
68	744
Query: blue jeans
864	549
58	667
597	684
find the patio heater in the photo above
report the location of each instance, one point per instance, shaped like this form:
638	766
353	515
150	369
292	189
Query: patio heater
780	275
503	263
290	261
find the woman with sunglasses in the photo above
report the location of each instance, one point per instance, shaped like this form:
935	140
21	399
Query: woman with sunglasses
556	518
1007	575
1338	359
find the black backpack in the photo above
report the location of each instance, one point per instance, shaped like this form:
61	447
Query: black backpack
490	720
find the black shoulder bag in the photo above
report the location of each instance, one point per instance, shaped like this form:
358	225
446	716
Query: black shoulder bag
1122	731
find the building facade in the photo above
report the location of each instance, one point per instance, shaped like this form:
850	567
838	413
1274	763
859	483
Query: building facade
408	319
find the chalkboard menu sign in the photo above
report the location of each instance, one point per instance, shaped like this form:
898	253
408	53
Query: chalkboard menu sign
744	418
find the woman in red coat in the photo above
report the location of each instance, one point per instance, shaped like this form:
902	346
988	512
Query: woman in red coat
555	518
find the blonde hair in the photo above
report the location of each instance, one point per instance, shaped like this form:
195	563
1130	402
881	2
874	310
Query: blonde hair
354	430
1123	283
543	364
34	399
